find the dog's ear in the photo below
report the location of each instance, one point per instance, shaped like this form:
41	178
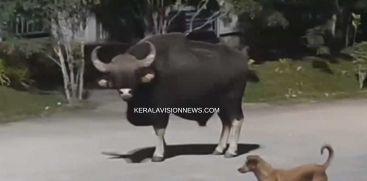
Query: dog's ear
253	159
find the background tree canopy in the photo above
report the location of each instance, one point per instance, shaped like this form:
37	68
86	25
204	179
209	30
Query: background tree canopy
272	28
279	28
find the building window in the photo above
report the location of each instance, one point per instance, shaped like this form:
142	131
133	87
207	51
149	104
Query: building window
28	28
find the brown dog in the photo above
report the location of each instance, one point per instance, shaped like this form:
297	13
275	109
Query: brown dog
264	172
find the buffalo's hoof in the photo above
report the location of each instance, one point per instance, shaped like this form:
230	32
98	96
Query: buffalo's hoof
229	155
215	152
157	159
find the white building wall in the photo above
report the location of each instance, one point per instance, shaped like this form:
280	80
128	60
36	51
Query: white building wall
90	33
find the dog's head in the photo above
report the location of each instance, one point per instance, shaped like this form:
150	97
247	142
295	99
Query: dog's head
250	164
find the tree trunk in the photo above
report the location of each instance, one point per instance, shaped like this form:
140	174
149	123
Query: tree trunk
64	71
81	74
347	38
355	35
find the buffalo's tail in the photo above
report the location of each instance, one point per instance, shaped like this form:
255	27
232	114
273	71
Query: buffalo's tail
252	76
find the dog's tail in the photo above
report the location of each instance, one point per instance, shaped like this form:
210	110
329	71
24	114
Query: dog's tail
331	154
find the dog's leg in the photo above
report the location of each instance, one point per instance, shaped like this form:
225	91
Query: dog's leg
233	137
320	177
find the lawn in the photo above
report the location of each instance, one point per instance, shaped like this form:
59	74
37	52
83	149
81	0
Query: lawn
15	105
307	80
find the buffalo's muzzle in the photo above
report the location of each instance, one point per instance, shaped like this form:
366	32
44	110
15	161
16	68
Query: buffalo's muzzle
125	94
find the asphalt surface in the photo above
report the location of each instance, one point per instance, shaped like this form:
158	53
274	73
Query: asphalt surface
100	145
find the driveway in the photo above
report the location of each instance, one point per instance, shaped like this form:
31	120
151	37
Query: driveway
100	145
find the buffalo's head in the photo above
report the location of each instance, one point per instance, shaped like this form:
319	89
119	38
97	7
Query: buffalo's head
125	71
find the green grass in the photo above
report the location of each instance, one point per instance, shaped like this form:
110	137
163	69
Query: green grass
15	105
298	81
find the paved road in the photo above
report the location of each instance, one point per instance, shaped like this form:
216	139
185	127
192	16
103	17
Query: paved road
99	145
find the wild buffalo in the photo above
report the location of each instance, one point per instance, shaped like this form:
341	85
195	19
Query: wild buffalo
171	71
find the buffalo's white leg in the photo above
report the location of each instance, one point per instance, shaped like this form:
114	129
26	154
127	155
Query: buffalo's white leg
160	129
233	137
158	154
223	139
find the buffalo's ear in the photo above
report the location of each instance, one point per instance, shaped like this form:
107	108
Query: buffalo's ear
148	77
104	83
145	75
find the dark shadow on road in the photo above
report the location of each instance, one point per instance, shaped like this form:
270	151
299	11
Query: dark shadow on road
140	155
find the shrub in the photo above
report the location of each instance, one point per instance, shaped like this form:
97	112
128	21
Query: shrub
4	79
14	73
359	54
19	76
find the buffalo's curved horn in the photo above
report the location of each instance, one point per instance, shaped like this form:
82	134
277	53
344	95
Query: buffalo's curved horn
102	67
148	60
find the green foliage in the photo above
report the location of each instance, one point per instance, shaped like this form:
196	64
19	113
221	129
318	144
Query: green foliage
323	50
359	53
14	72
45	10
4	79
7	8
25	47
264	9
276	18
67	18
251	7
16	55
19	76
